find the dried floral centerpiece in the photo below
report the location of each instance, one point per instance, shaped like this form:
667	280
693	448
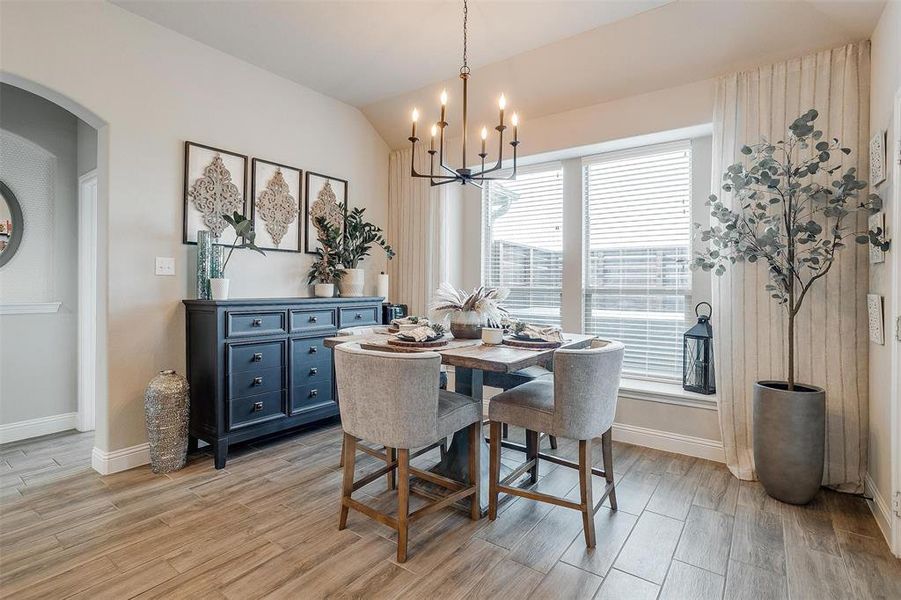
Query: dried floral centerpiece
469	312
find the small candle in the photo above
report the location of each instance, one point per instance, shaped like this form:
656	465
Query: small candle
502	104
515	121
432	141
484	137
415	118
443	104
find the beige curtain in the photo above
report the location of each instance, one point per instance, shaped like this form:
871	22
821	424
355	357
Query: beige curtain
416	217
832	338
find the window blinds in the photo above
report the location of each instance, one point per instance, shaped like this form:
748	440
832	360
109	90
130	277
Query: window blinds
522	241
637	240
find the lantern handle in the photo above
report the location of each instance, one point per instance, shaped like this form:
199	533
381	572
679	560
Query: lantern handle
709	309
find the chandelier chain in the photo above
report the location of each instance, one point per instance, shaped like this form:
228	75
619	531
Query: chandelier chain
465	22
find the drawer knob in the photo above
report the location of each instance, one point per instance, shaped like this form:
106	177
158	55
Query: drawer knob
257	406
256	323
358	316
258	381
313	319
314	393
314	370
257	356
313	349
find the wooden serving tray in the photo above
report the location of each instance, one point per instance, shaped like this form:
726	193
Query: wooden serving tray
534	345
393	341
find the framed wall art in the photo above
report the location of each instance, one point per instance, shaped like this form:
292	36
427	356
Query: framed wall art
874	317
877	158
276	205
215	184
876	223
323	196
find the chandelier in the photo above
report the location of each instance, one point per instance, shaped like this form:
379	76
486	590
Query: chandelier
464	174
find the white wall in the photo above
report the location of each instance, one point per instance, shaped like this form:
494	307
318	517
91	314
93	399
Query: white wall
885	81
37	351
687	106
155	89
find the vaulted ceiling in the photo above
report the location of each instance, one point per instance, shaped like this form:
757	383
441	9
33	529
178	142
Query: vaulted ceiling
385	56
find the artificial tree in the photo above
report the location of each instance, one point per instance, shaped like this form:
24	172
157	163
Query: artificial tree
785	217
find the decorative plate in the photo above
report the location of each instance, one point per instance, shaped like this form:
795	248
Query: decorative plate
530	343
439	341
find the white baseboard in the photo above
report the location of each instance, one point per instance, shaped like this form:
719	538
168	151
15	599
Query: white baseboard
107	463
879	507
669	442
23	430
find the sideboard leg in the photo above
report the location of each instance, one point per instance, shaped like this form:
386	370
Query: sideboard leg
192	444
220	450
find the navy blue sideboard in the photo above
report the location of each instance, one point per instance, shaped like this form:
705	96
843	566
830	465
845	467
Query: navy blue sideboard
258	366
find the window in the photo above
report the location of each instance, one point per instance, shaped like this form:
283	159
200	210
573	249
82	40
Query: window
523	242
636	244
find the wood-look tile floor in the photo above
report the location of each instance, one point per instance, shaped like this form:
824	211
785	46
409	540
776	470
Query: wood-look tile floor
266	527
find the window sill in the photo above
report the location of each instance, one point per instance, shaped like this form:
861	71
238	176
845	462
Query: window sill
666	393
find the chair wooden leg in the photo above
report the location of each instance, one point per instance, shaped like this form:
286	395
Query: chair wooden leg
494	467
391	455
532	452
607	447
443	448
403	502
349	452
553	440
475	470
585	492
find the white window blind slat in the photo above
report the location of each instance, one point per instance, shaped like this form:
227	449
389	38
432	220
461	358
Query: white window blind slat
522	238
637	237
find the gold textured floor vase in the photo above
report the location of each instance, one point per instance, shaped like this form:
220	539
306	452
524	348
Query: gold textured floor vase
166	415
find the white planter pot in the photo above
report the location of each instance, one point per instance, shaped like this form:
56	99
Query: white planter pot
219	288
324	290
352	283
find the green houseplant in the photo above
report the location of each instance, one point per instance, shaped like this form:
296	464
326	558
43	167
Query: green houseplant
244	238
326	269
796	208
356	243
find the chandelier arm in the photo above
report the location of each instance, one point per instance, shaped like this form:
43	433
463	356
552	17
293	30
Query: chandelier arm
415	173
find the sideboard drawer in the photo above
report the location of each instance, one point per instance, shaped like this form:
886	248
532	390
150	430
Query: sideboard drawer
255	356
323	319
314	371
245	324
248	411
363	315
252	383
309	351
305	397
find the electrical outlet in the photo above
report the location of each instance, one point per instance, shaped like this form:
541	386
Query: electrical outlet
164	266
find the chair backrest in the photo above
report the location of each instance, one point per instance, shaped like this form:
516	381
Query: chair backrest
388	398
347	331
586	383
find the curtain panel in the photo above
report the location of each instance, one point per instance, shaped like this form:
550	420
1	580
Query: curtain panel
749	328
416	215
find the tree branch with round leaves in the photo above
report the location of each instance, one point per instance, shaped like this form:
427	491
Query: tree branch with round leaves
796	205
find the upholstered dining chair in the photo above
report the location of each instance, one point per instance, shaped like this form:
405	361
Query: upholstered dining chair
392	399
508	381
579	403
389	452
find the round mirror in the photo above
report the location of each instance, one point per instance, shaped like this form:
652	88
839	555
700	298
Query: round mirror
11	224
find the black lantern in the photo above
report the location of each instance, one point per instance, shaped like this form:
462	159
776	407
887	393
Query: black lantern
697	355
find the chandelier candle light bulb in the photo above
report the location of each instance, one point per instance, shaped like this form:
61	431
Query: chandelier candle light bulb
502	104
514	120
415	118
432	141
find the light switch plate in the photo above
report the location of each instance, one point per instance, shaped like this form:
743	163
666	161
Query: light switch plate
165	265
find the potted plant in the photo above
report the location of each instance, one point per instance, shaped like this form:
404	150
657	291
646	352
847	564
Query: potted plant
245	235
795	225
326	269
469	312
356	243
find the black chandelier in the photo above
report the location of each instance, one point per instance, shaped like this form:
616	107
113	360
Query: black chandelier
464	175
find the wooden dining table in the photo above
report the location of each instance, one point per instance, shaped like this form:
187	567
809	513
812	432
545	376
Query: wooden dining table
470	359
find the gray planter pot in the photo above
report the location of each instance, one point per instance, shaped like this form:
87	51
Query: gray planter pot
789	439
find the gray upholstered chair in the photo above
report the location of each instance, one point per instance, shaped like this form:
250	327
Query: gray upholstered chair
389	452
579	403
392	399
